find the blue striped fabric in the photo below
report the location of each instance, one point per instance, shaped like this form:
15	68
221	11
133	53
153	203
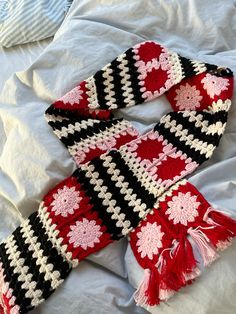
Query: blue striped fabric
23	21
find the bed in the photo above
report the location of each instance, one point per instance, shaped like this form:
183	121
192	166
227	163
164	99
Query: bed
32	160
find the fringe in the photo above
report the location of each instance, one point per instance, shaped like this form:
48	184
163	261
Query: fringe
140	295
204	245
177	266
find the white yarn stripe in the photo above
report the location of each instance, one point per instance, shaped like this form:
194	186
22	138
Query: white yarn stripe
199	67
108	89
78	126
53	118
175	72
91	93
219	105
29	20
126	84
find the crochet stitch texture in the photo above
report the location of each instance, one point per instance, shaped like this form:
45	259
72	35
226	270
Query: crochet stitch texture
126	183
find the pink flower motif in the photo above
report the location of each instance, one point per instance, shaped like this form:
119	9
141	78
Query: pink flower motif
73	96
183	208
214	85
106	144
85	233
150	240
66	201
188	97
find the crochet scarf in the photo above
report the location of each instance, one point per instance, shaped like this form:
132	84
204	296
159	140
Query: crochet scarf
127	184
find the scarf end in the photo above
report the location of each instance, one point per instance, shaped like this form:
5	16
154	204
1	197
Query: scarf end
177	266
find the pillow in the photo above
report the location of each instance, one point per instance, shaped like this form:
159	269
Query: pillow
23	21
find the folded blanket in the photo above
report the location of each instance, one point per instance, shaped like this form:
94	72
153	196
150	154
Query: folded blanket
123	176
27	21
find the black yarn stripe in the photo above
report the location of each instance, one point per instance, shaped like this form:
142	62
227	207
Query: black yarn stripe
63	113
133	72
100	86
180	145
211	67
71	114
98	207
142	193
219	116
48	250
115	191
192	129
221	72
12	278
120	99
30	261
46	245
187	66
83	134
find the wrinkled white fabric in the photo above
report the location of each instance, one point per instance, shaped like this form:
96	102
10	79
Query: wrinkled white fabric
33	160
19	58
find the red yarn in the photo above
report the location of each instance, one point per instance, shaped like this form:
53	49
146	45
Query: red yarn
7	308
224	221
152	291
148	290
217	234
191	262
177	269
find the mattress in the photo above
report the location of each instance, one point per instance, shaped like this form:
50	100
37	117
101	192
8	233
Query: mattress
32	160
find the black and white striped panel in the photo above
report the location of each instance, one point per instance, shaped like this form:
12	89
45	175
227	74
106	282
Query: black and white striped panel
119	196
32	266
195	133
81	134
117	84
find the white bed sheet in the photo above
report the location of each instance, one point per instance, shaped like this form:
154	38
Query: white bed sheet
32	159
19	57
